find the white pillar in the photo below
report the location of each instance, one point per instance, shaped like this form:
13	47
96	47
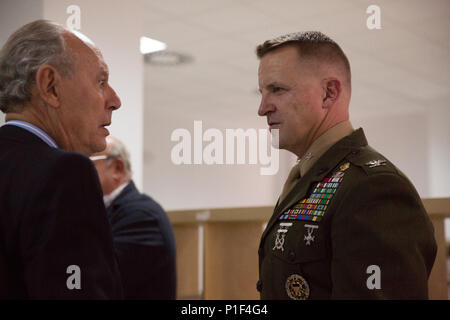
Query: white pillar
115	27
439	153
439	150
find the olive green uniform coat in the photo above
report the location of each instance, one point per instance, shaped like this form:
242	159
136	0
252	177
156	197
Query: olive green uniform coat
371	238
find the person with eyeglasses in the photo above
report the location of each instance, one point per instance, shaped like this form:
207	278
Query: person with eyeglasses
142	234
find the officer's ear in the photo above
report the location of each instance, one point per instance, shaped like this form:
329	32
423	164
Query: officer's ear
332	89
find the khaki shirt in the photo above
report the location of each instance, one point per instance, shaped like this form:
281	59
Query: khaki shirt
315	151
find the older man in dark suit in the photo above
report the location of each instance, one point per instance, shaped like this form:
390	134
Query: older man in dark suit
55	237
142	233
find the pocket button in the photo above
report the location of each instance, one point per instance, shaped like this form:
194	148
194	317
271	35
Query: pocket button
291	255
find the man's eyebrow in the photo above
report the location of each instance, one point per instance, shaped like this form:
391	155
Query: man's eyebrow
271	85
103	71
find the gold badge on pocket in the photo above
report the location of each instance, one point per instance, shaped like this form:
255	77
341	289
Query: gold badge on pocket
296	287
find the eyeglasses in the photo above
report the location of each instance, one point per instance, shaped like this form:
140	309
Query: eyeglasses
95	158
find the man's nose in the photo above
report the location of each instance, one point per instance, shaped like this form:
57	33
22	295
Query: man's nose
114	100
265	106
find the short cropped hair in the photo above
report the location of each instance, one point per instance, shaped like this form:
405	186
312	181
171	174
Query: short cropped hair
119	151
35	44
309	44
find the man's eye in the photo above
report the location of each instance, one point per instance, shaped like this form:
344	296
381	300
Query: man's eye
277	89
102	82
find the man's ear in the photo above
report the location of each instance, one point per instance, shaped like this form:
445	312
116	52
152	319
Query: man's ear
48	82
332	90
119	166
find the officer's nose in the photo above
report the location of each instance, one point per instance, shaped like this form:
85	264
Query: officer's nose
265	106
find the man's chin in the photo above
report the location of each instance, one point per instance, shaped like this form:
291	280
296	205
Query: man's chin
98	147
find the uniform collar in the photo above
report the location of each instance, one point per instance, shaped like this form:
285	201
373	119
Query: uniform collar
322	144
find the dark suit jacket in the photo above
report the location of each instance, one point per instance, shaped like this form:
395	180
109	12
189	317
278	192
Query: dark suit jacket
52	217
145	246
370	216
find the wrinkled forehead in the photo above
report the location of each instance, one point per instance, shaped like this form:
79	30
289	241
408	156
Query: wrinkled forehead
277	64
84	50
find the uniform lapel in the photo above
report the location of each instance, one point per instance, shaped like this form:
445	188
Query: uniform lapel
327	162
297	193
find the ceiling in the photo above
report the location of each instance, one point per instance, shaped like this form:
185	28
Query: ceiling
403	67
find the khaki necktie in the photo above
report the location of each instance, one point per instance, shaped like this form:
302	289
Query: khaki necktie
291	180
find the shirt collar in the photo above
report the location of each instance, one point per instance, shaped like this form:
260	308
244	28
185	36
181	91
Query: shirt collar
109	198
34	130
323	143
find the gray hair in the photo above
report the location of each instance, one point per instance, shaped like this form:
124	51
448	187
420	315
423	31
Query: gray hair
119	151
35	44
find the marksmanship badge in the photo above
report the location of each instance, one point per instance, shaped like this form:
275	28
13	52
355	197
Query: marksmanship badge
297	288
281	234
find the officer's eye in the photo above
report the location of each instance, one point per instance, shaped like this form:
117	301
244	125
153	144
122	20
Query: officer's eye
277	89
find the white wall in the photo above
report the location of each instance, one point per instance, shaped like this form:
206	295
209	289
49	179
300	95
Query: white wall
439	150
178	187
14	14
116	28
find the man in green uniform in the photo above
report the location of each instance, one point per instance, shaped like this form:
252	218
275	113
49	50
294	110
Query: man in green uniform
348	224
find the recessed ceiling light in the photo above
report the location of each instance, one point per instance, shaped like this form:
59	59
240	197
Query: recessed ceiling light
167	58
149	45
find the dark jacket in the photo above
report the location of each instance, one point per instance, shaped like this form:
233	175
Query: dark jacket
352	228
145	246
52	217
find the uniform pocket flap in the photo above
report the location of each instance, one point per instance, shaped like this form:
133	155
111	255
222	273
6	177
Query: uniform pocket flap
302	243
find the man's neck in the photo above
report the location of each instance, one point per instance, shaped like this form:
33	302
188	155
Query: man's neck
30	115
323	143
39	117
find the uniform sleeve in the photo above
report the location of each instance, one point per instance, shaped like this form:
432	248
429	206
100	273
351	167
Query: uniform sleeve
382	241
66	241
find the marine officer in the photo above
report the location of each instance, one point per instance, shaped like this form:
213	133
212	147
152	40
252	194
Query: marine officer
348	224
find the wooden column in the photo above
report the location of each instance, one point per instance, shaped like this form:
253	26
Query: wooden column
231	260
186	238
438	210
